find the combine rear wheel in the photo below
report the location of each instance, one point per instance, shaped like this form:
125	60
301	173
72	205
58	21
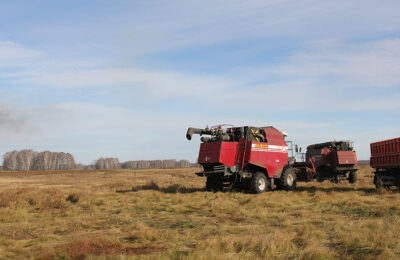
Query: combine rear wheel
214	183
287	181
259	183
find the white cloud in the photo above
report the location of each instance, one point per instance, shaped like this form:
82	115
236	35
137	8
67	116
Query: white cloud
155	82
185	24
326	74
12	53
363	64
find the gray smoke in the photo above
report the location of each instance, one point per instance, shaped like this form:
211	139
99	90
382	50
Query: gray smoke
12	122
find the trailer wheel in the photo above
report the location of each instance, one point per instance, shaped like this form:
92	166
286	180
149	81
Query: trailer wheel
287	181
378	182
214	183
259	183
353	177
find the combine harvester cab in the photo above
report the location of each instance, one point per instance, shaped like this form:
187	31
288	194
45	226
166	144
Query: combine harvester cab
385	159
254	158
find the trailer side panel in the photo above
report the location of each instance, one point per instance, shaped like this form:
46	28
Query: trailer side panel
386	154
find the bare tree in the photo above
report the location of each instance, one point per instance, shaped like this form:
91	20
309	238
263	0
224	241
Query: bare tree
10	161
42	161
157	164
168	164
100	163
107	163
183	164
27	160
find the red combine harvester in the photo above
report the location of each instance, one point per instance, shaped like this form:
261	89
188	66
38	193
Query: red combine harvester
334	161
385	158
257	158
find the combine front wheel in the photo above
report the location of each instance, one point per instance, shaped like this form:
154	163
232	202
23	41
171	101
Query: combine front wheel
287	181
259	183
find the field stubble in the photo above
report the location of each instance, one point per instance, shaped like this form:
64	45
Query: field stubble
165	213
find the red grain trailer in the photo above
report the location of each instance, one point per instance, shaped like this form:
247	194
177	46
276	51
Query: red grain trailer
385	159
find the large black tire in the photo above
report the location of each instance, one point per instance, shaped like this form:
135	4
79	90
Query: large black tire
259	183
287	181
353	177
335	179
320	176
378	182
214	183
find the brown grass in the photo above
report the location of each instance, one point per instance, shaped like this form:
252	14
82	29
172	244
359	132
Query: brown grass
147	214
101	245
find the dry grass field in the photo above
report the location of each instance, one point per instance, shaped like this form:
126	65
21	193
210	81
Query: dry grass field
165	213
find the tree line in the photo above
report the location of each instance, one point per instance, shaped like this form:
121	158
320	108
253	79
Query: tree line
157	164
29	160
113	163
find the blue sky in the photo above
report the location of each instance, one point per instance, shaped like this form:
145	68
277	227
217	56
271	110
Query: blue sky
126	78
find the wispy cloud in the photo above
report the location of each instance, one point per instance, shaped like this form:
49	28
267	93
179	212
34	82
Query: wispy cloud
362	64
336	71
12	54
185	24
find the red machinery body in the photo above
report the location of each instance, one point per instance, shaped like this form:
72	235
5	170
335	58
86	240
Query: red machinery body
385	154
385	158
271	154
328	157
218	152
333	160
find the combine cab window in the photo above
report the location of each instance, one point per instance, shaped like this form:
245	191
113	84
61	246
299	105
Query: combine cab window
257	135
238	133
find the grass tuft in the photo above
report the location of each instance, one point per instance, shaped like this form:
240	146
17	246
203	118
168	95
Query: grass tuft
73	198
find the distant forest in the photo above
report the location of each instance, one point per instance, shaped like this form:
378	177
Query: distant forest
29	160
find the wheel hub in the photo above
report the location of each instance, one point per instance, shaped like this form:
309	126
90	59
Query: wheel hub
261	184
290	179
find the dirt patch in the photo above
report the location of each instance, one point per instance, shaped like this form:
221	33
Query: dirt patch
80	248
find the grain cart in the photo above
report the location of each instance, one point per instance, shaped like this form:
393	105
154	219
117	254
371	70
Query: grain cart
254	158
334	161
385	159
